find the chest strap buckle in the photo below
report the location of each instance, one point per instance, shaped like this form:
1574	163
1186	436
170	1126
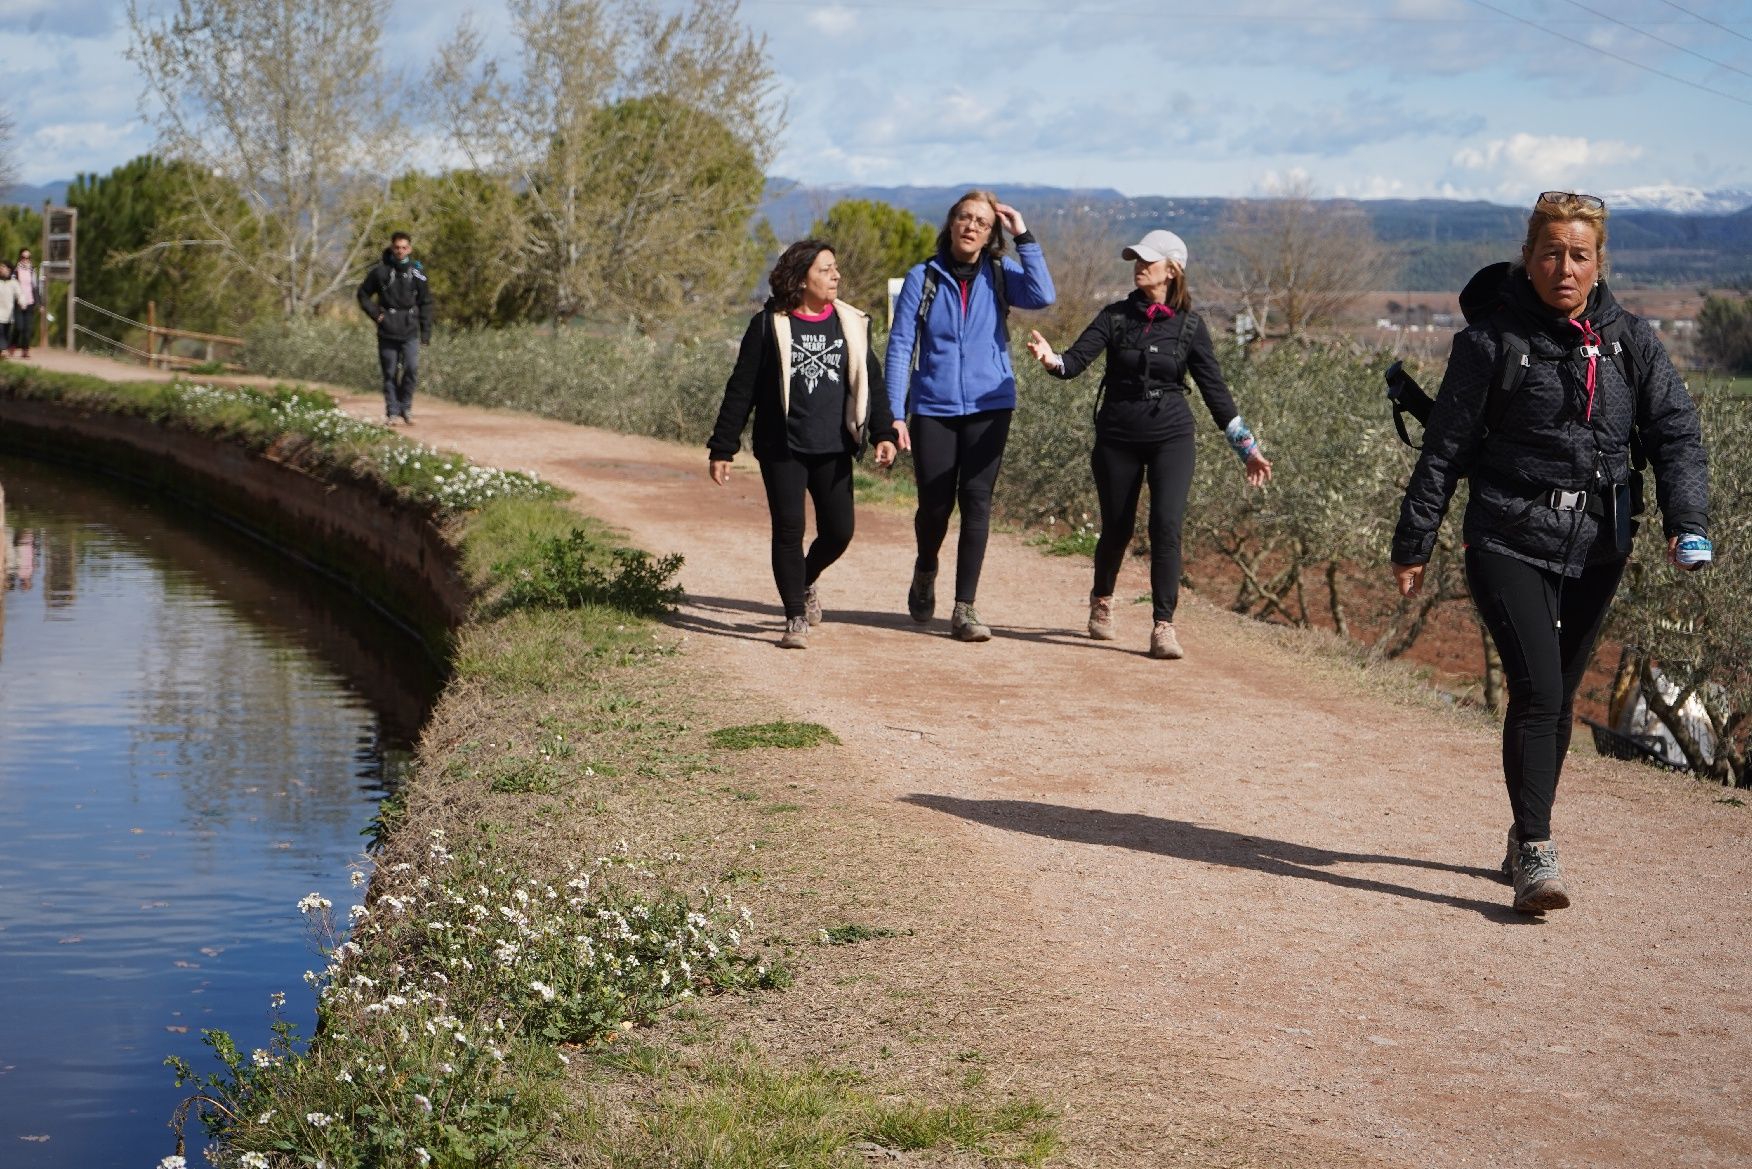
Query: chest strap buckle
1562	500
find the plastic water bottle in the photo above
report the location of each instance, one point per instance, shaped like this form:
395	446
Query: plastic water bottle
1693	550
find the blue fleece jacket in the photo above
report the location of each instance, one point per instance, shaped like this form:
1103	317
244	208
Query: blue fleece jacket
964	364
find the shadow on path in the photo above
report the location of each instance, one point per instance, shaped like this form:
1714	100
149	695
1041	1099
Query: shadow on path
762	620
1195	842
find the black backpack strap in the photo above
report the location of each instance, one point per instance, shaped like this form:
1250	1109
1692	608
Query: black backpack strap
1514	356
1001	290
1183	342
1615	340
926	295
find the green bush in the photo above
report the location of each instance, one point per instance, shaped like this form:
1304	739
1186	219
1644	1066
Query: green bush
565	572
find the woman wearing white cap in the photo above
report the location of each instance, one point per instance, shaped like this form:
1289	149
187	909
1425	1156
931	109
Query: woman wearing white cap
1144	425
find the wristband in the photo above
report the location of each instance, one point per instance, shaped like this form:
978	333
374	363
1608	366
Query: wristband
1241	440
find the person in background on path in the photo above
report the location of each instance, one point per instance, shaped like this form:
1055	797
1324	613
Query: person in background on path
1548	524
8	305
808	373
395	294
29	295
952	390
1144	424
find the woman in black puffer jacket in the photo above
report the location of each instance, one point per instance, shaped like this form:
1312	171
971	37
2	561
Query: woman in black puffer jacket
1548	523
1151	341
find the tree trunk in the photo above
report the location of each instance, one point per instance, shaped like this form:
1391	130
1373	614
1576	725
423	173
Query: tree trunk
1340	622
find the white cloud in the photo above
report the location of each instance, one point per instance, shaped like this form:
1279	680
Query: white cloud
1534	155
833	21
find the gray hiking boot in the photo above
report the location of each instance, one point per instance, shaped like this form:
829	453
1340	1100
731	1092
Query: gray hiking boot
796	635
921	598
965	625
1100	617
1509	856
1538	882
812	606
1164	643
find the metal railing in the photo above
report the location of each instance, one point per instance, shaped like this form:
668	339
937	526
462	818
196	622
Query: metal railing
159	338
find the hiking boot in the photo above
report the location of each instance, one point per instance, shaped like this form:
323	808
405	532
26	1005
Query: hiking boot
921	598
796	635
811	606
1100	617
965	625
1538	883
1164	643
1509	856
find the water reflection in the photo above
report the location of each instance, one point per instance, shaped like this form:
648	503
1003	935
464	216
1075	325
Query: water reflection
192	736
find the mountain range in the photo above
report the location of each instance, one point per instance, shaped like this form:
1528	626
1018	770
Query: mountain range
1661	235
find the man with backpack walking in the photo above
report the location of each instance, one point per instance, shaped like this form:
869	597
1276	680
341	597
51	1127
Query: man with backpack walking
952	390
396	295
1552	399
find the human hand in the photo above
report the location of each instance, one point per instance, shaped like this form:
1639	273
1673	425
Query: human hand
1012	218
1042	351
1409	578
719	470
885	452
1257	470
1673	557
902	437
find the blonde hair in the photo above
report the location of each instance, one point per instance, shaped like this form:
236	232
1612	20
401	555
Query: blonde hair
1566	207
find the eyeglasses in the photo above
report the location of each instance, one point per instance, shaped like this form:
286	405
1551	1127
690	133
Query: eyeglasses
969	217
1590	201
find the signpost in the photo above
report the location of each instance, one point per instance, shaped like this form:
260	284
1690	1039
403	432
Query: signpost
60	237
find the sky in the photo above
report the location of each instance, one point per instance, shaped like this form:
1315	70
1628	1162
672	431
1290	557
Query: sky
1475	99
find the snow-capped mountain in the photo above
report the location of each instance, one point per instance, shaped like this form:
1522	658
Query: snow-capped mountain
1679	200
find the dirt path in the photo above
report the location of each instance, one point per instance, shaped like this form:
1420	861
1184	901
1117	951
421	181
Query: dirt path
1236	909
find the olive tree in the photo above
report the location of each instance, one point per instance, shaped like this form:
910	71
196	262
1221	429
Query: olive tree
289	106
1694	628
638	140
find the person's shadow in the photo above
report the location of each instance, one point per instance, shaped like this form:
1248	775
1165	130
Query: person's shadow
1196	842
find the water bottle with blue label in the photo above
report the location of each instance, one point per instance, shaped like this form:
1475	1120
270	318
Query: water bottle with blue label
1693	550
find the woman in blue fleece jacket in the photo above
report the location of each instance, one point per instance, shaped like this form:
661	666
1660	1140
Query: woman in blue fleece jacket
949	377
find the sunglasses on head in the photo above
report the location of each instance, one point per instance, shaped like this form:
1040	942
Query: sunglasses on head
1593	201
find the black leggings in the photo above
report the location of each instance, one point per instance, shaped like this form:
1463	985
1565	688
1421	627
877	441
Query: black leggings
828	481
1120	470
1542	665
956	460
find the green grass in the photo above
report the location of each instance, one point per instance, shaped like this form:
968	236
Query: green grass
779	734
851	934
1077	542
738	1113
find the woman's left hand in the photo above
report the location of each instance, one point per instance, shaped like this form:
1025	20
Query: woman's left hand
1012	218
1673	556
1257	470
885	452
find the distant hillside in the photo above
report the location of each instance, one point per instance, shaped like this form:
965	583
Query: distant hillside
1437	243
33	196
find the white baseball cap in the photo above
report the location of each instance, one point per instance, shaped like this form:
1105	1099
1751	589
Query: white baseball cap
1158	245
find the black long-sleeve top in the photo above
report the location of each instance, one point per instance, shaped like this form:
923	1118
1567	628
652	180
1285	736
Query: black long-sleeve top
1142	358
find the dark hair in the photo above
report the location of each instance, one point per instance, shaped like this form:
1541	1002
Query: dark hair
792	271
994	246
395	235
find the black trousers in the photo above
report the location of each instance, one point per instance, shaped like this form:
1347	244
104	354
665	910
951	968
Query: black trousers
401	369
1543	664
1121	469
827	480
956	462
23	327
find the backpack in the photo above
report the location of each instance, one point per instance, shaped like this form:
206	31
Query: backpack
1481	303
1116	320
929	293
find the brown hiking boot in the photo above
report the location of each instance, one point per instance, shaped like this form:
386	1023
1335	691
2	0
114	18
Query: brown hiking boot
1164	643
812	606
1100	617
965	625
796	635
1538	881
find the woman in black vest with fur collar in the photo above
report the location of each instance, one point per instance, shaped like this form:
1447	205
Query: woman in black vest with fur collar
807	372
1144	426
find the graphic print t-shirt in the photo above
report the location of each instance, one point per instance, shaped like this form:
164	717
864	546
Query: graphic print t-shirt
815	424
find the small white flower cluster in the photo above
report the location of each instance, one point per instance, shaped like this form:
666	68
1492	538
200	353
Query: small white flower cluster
449	481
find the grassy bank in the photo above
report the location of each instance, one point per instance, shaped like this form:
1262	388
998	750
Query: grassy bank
574	874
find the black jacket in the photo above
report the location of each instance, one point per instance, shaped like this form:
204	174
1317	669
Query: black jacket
1544	435
1141	362
399	299
757	385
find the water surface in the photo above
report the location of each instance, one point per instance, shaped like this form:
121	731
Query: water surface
193	735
